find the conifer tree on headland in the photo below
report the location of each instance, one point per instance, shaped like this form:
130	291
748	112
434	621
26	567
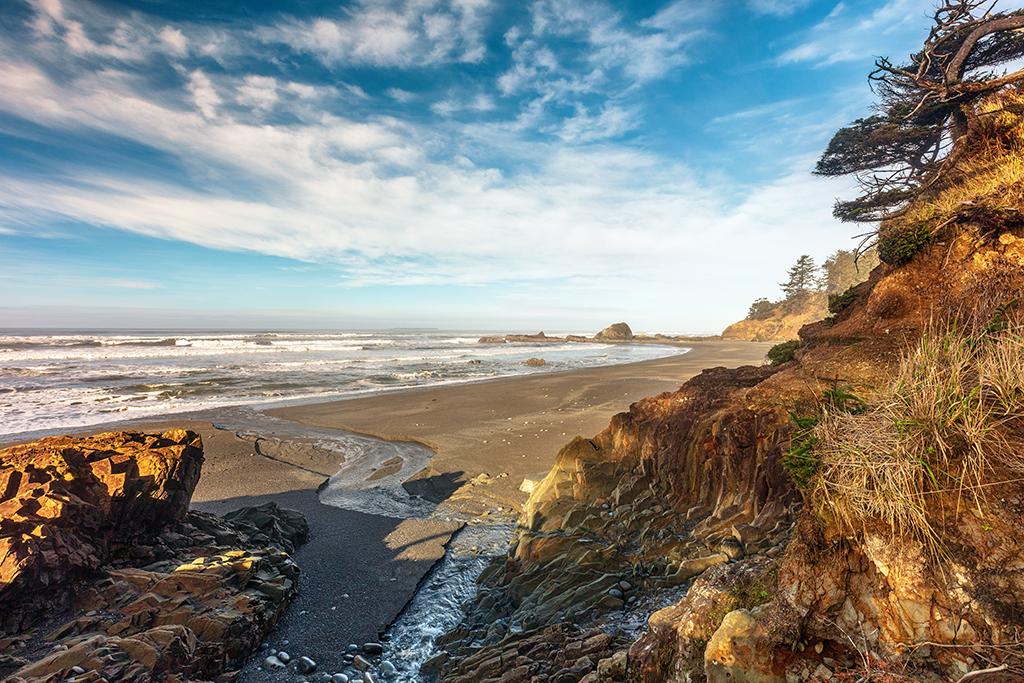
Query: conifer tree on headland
927	109
802	282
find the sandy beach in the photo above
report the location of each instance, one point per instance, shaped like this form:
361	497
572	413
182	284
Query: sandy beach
358	569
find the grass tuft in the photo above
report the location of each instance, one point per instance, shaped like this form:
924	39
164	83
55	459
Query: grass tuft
951	420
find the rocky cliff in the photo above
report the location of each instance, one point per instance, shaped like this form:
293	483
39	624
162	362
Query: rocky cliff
851	514
782	324
105	574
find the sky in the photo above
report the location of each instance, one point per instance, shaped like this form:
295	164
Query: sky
459	164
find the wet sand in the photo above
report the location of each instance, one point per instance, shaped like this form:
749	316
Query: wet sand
513	426
487	437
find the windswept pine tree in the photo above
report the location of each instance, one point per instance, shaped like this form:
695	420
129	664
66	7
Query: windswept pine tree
927	109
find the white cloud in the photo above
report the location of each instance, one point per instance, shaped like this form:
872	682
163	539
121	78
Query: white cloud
845	35
204	96
618	56
612	121
374	198
392	33
175	40
259	92
778	8
399	95
130	284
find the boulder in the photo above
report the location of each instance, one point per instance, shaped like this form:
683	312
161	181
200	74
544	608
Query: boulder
67	505
98	544
616	332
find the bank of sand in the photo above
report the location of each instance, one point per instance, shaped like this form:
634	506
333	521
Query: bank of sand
359	570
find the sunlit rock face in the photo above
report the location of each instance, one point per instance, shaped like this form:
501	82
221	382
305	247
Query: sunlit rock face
687	490
103	568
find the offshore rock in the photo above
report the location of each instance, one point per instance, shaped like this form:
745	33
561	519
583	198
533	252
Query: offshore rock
116	580
615	332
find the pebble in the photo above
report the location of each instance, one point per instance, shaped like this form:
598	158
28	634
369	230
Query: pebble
272	662
353	648
615	593
305	665
388	669
625	585
373	649
77	670
284	656
339	678
368	677
361	662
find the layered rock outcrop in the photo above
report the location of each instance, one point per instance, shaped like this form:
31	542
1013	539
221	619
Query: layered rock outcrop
106	575
687	490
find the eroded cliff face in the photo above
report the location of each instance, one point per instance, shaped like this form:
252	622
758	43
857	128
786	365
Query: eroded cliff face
687	491
106	575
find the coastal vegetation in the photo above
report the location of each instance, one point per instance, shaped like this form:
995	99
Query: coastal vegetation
948	426
810	292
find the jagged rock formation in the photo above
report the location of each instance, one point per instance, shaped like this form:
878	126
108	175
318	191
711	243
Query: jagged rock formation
689	485
106	575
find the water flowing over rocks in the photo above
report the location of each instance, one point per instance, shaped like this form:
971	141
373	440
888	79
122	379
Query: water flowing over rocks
686	491
106	574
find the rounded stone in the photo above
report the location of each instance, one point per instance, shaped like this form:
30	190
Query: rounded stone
388	669
339	678
305	665
284	656
273	662
373	649
615	593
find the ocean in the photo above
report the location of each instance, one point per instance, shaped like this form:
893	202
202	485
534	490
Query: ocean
51	382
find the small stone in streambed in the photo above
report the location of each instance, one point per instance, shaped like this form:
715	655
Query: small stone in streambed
339	678
353	648
284	656
368	677
387	669
615	593
361	662
625	585
373	649
77	670
273	662
305	665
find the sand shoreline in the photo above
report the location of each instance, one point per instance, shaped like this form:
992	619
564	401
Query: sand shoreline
359	570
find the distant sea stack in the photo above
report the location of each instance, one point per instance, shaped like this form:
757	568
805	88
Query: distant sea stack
615	332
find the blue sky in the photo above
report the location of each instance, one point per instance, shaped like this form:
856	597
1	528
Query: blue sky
470	164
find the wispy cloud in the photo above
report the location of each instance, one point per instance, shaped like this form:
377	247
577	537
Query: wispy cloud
846	35
130	284
391	33
778	8
582	213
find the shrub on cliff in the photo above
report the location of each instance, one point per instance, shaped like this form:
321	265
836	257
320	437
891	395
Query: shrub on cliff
948	424
783	353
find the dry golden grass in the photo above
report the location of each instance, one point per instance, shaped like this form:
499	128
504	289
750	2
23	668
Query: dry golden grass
989	180
948	425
